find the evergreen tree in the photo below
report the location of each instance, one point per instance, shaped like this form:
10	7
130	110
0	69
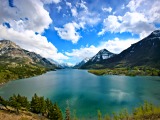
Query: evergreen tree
3	102
42	105
35	104
23	101
55	113
13	102
48	106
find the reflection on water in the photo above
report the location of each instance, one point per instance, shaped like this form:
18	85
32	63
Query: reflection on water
86	92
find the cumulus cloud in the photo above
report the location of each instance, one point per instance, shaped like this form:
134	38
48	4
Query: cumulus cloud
32	42
25	18
68	32
116	46
69	4
107	9
110	24
74	12
128	23
135	21
82	5
27	14
59	8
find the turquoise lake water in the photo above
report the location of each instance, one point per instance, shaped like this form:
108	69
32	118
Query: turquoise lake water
86	92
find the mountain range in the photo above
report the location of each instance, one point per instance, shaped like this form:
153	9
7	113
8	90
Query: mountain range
146	52
16	62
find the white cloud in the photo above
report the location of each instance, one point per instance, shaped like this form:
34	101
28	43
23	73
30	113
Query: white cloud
59	8
110	24
107	9
29	12
116	46
26	18
32	42
140	19
74	12
82	5
149	8
134	22
68	32
69	4
134	4
51	1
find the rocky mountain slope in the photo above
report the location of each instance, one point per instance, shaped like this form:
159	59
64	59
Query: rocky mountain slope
16	62
143	53
100	56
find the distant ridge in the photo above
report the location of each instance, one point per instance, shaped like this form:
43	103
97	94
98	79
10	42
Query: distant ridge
143	53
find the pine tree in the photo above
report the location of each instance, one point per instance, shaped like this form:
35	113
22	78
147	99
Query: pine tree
3	102
13	102
49	105
42	105
35	104
55	113
23	101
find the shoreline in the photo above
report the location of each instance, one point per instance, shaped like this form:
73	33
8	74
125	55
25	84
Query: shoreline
3	83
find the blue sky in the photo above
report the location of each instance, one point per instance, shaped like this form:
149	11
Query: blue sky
69	31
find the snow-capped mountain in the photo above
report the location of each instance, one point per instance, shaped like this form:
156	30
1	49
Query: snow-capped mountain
101	55
60	65
78	65
143	53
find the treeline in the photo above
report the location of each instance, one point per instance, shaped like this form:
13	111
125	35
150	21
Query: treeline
46	108
142	71
19	71
37	105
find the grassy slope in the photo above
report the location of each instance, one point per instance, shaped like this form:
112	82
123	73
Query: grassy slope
144	71
12	70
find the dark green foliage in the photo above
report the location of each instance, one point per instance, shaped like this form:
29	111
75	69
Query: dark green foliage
23	101
35	104
141	70
3	102
55	113
13	102
18	71
48	106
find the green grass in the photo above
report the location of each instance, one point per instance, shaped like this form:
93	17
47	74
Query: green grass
142	71
18	71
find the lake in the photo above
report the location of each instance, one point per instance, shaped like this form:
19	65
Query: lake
86	92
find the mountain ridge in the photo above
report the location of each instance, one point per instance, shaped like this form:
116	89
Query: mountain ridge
16	63
143	53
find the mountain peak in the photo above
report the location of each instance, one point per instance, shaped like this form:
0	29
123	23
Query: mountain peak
8	44
101	55
155	33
